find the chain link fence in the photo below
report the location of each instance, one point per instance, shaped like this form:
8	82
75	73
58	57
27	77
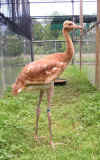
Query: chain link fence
15	51
14	54
88	54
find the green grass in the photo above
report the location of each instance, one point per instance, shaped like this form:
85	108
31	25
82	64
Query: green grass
75	122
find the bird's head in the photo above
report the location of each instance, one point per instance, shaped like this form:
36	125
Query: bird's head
69	26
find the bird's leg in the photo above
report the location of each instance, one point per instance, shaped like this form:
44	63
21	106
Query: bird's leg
38	114
49	96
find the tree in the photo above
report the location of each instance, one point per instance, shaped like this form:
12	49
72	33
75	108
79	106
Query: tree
37	30
48	32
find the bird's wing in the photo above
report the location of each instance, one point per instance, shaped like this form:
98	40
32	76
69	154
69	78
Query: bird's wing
42	71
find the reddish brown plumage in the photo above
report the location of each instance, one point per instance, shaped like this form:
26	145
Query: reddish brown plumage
40	72
47	69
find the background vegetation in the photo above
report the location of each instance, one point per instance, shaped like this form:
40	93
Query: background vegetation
75	122
43	30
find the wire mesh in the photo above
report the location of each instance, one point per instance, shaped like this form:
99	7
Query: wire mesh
47	37
89	54
14	54
46	46
48	7
16	14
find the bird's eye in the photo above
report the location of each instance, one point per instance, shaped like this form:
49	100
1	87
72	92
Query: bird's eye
70	24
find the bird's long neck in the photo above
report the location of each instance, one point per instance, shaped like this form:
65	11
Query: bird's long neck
69	47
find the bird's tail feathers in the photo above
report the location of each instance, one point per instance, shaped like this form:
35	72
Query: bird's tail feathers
17	88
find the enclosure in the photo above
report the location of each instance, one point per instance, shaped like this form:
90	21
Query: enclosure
13	56
15	40
29	30
85	55
45	33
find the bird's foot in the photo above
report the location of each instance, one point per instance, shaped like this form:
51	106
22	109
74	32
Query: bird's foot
53	145
38	138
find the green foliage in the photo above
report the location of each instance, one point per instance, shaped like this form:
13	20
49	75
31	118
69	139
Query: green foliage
62	46
45	32
48	34
38	31
75	122
14	46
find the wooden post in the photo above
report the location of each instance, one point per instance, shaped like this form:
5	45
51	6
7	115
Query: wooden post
81	32
73	34
98	47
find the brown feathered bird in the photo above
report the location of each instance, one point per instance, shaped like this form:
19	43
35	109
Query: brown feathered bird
41	74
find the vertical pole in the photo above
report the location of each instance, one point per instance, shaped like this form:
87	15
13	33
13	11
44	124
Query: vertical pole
24	41
73	31
98	47
31	43
32	51
2	68
81	32
55	46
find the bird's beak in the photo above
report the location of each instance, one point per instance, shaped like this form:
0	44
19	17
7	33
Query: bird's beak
77	27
